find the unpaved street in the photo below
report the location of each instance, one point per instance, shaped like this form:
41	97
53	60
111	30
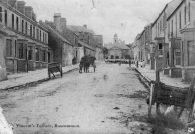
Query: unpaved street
111	100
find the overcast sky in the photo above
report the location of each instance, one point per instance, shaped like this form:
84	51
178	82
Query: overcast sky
127	18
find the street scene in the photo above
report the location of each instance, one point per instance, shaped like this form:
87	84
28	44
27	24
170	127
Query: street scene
97	67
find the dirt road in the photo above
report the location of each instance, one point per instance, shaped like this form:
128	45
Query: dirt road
111	100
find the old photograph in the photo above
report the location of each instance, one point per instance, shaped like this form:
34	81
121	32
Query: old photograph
97	66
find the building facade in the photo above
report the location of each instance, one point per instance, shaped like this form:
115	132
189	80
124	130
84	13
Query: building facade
26	41
118	49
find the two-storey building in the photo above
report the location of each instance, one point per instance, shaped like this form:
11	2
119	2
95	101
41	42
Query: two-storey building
25	42
182	25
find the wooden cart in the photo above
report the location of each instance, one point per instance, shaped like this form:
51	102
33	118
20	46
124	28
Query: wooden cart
161	93
54	68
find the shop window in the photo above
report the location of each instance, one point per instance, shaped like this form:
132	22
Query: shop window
160	49
20	51
9	48
167	59
191	53
43	55
177	57
37	54
30	52
49	57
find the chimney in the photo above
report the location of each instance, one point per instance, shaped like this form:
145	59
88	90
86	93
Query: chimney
57	21
63	22
20	6
85	26
12	3
29	11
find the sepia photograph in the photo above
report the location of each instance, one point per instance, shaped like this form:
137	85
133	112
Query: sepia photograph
97	66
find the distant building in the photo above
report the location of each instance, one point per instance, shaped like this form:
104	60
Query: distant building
118	49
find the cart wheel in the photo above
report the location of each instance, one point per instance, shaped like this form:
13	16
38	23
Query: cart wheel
150	99
49	75
61	71
191	113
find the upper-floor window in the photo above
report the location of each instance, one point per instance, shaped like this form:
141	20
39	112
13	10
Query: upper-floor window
1	14
185	15
37	34
22	26
17	23
34	31
13	21
31	30
172	26
189	12
40	35
43	37
5	17
180	19
26	28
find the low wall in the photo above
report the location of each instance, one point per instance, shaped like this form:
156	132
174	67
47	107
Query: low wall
175	72
188	74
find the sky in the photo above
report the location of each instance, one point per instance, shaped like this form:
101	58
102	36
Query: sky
126	18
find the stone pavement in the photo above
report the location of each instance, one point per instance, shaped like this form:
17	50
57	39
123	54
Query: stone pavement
151	75
20	79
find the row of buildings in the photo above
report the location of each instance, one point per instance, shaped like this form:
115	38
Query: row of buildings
168	43
28	45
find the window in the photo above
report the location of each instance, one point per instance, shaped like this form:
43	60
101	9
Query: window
172	26
30	51
22	26
1	13
13	21
180	19
26	28
191	53
189	12
20	51
34	31
182	52
49	57
17	23
37	54
185	15
43	55
43	37
9	48
31	30
37	34
160	49
177	57
40	35
5	17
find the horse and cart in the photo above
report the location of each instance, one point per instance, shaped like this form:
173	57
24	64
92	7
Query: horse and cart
86	62
161	93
